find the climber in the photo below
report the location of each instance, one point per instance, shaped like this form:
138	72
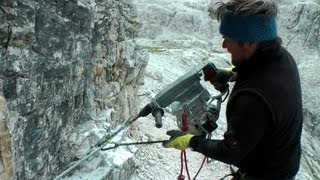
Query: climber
264	110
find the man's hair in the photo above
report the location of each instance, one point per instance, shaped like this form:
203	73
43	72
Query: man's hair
267	8
246	8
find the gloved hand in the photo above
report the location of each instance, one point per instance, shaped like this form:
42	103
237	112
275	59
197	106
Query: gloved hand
194	130
178	140
223	76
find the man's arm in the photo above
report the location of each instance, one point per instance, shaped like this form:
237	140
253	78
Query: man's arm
247	123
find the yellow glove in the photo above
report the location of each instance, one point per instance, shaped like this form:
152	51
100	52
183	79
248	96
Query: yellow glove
178	140
194	131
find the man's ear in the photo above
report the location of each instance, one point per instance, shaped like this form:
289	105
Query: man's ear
250	48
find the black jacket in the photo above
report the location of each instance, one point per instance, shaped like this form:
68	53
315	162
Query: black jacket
264	118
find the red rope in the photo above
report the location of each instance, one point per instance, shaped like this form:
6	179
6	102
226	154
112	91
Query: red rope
184	123
204	160
181	176
186	162
183	155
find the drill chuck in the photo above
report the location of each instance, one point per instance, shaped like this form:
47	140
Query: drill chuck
146	110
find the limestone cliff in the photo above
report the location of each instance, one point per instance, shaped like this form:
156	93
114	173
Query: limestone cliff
63	63
70	69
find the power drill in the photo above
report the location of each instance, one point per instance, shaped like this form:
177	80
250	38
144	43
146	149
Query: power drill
186	94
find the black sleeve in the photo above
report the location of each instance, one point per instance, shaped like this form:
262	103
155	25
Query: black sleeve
247	123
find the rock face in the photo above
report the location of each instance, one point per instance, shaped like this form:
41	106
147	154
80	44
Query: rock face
5	139
69	71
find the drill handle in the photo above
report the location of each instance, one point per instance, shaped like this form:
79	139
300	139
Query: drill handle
146	110
158	113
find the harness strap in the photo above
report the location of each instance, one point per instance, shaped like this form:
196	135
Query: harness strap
237	175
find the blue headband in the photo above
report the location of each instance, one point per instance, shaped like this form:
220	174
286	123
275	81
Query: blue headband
254	28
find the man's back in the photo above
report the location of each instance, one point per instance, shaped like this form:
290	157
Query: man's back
274	79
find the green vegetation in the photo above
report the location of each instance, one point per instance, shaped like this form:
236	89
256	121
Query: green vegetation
155	49
215	51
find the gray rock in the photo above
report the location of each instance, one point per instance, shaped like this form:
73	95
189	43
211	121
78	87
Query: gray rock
71	72
63	65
